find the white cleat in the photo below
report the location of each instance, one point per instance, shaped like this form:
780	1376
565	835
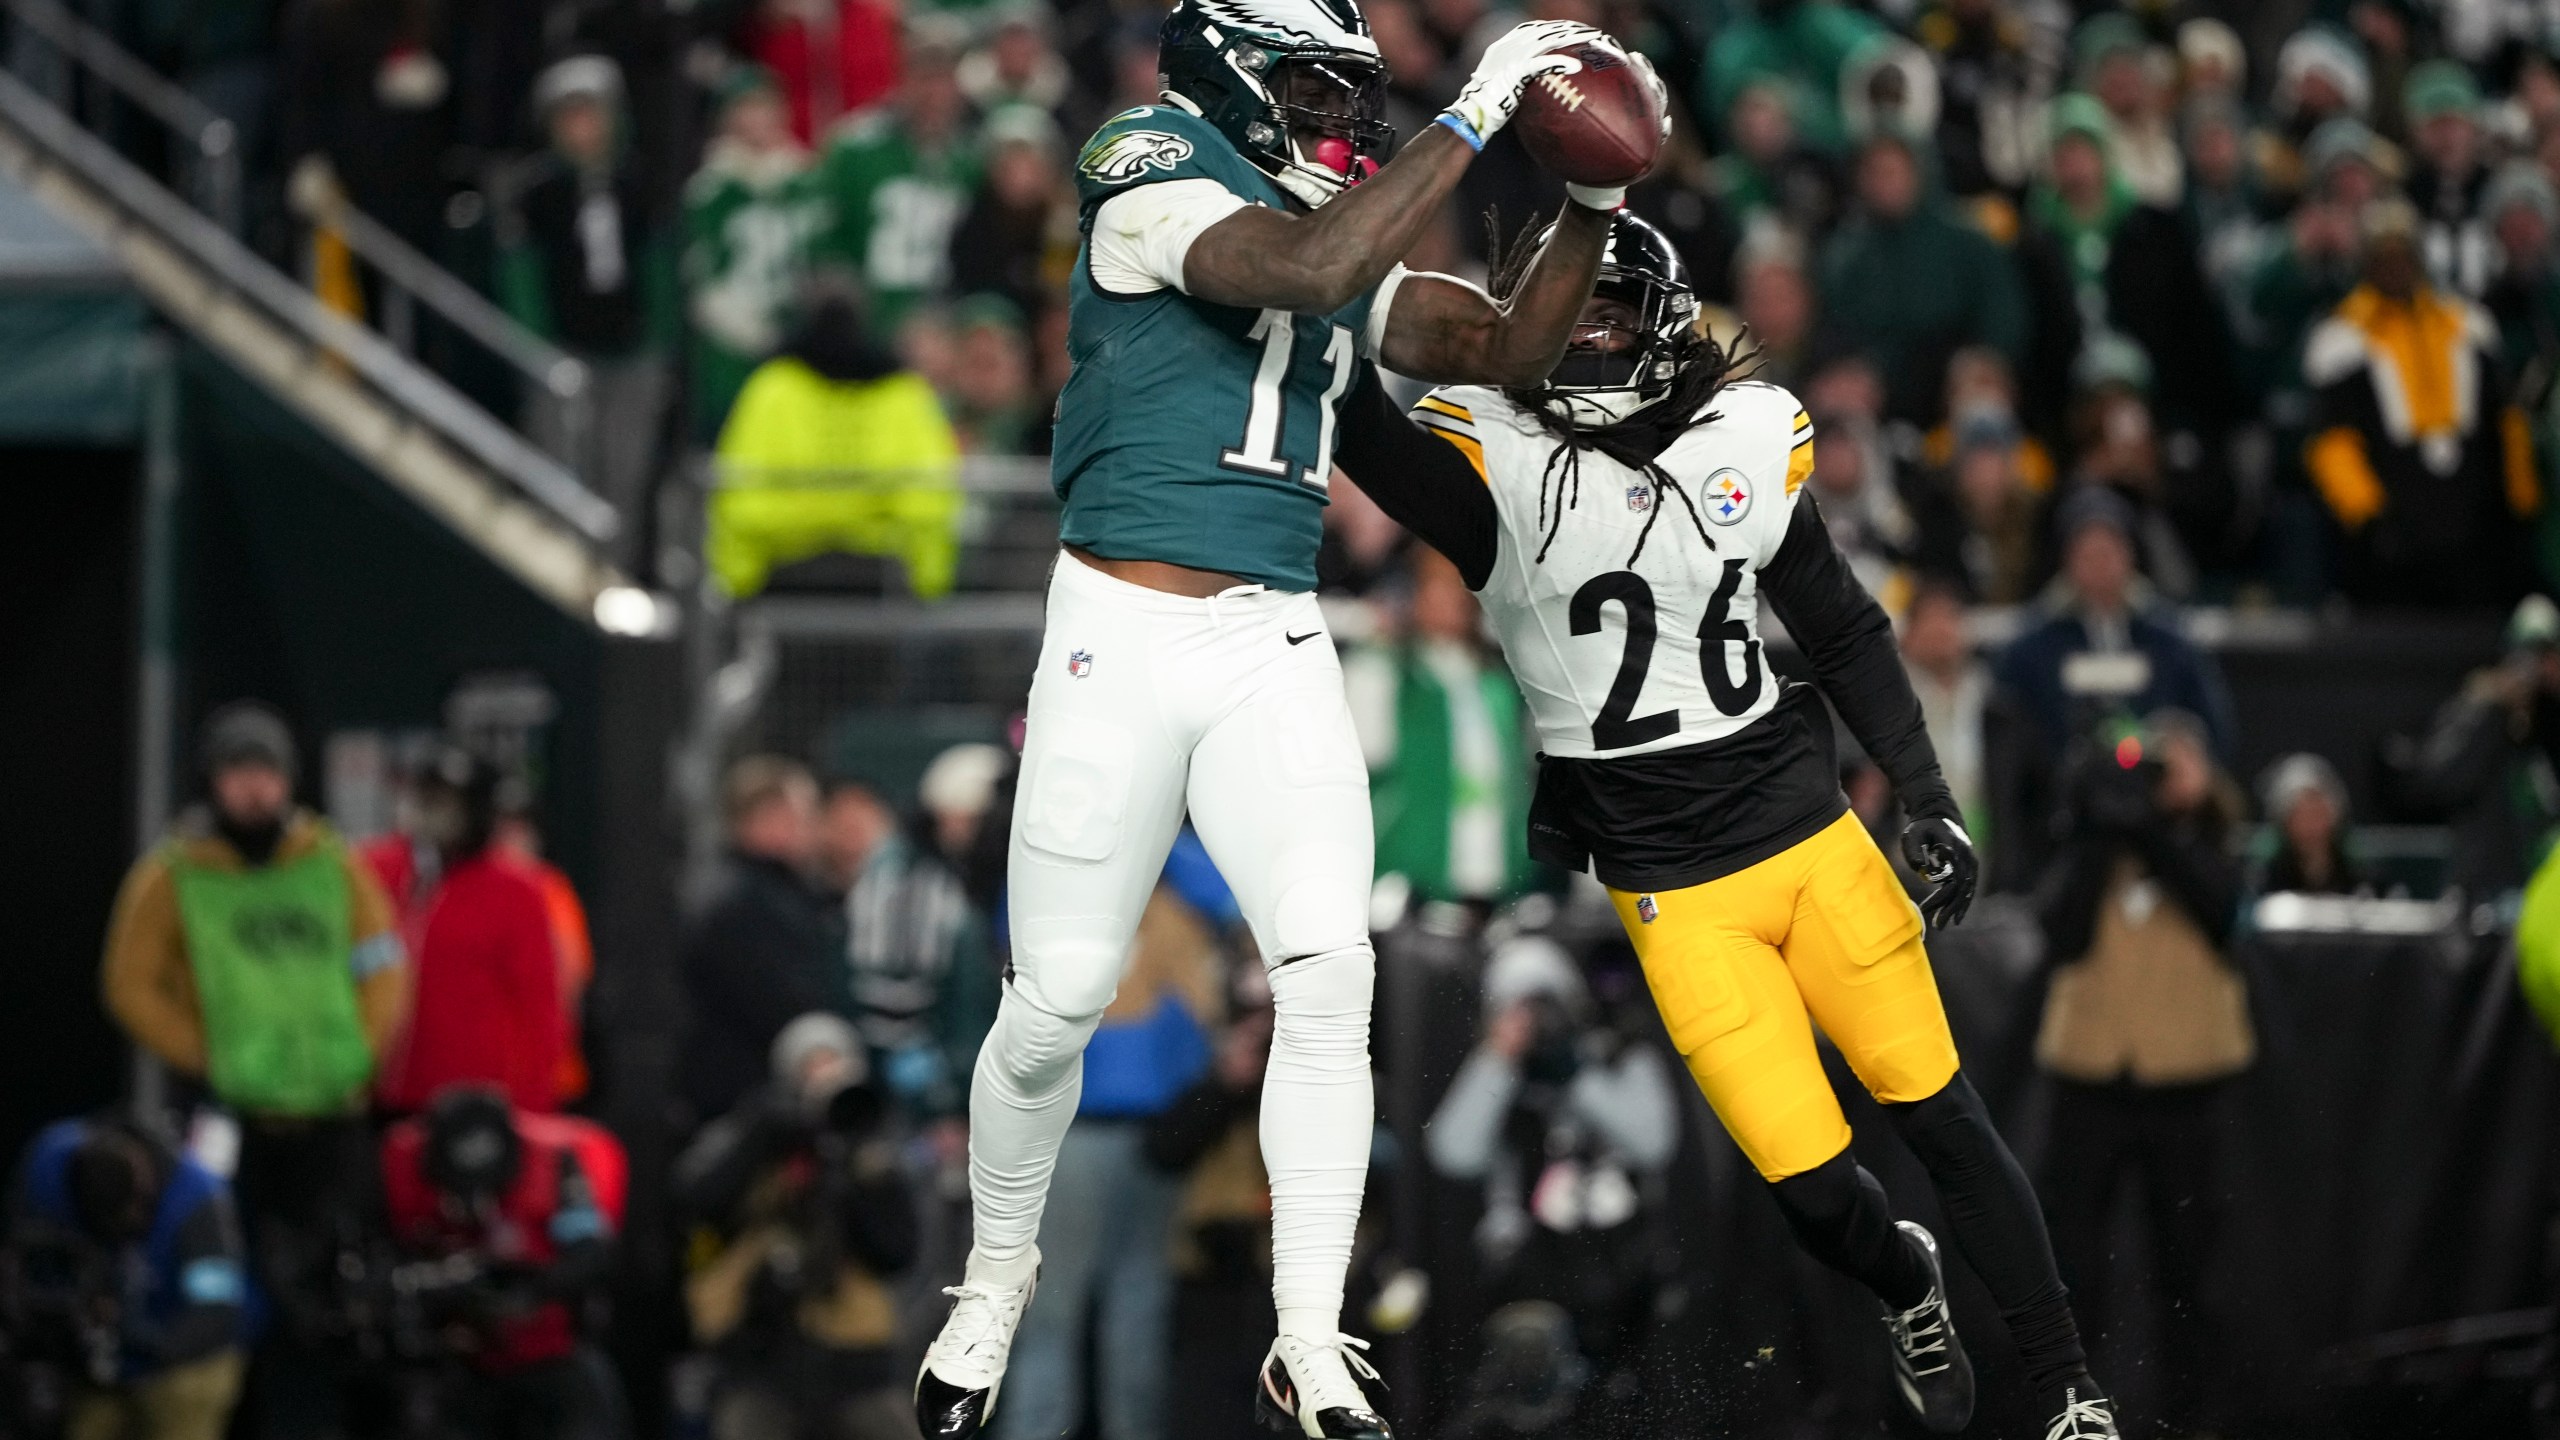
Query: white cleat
1320	1391
964	1367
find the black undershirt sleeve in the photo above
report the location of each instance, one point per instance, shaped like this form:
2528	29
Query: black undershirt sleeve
1421	481
1846	636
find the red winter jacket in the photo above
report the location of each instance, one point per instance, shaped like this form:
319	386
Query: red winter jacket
829	71
488	1003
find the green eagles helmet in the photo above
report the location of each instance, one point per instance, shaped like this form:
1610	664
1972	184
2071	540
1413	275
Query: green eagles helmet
1295	85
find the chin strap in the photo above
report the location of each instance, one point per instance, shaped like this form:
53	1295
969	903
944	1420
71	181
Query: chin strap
1315	181
1303	182
1603	198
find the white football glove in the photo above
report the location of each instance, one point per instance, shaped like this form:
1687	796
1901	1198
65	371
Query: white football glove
1509	64
1645	68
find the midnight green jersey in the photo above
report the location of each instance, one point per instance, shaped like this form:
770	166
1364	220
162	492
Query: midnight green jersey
1193	433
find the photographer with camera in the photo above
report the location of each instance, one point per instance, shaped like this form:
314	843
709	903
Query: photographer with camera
2147	1022
504	1223
800	1212
2101	644
1569	1122
120	1289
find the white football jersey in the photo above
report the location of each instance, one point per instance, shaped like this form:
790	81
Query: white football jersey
1619	659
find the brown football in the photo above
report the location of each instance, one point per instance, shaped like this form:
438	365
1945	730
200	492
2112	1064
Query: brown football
1600	125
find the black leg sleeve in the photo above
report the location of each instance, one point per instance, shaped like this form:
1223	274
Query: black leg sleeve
1992	1210
1840	1217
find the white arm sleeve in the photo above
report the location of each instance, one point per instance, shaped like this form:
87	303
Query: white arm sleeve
1373	340
1140	236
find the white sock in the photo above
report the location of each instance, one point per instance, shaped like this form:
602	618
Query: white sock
1317	1109
1029	1076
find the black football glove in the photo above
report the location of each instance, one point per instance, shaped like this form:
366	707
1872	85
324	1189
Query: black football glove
1938	850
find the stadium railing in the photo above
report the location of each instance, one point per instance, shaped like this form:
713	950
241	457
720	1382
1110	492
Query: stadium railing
53	49
525	509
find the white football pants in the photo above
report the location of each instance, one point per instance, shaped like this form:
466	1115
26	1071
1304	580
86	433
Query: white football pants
1145	705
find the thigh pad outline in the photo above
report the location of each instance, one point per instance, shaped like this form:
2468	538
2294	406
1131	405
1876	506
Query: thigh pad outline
1076	798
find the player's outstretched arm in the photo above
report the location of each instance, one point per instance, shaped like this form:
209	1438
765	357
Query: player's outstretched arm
1423	483
1264	259
1448	332
1847	637
1849	640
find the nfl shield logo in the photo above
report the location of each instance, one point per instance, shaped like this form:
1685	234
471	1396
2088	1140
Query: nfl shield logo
1645	909
1080	664
1639	498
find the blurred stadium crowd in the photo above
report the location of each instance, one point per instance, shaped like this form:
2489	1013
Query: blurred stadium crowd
2098	311
2281	277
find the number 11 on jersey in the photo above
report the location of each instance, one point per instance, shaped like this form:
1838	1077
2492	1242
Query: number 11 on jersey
1265	419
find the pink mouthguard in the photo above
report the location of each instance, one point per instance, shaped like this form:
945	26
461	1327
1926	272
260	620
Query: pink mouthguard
1334	153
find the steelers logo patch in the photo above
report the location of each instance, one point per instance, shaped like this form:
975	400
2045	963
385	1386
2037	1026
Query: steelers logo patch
1728	497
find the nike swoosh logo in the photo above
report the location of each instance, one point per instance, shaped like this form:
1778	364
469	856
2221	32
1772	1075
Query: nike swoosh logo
1302	639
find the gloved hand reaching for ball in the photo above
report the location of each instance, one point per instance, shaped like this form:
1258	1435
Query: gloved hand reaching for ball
1525	52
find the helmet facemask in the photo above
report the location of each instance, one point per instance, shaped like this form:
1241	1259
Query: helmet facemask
1322	127
1625	352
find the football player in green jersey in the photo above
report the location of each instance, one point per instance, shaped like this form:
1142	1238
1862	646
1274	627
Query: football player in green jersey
1238	275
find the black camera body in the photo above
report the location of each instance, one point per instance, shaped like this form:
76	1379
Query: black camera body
391	1307
62	1304
2112	783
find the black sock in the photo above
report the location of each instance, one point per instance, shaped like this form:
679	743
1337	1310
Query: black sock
1993	1218
2082	1385
1839	1214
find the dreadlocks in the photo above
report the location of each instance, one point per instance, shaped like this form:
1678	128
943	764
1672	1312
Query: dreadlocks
1701	367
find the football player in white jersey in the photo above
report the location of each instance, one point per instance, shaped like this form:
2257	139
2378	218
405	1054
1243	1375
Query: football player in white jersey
1238	275
1620	523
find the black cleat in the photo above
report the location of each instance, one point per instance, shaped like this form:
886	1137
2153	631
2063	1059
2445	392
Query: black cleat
2080	1413
1929	1364
1319	1391
964	1367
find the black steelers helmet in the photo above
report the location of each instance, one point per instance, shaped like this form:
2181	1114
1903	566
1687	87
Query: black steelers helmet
1237	64
1642	270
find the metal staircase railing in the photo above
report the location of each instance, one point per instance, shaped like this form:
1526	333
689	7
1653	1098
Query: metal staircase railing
406	278
215	140
524	508
409	279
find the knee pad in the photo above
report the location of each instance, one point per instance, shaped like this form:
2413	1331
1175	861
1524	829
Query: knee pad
1320	903
1060	967
1320	1007
1337	980
1030	1045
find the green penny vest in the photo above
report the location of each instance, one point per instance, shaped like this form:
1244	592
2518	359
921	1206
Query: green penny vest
271	950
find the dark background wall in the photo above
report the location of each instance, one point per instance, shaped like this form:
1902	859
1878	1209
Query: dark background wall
67	663
311	584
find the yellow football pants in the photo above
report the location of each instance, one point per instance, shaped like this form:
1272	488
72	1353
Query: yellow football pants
1744	966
